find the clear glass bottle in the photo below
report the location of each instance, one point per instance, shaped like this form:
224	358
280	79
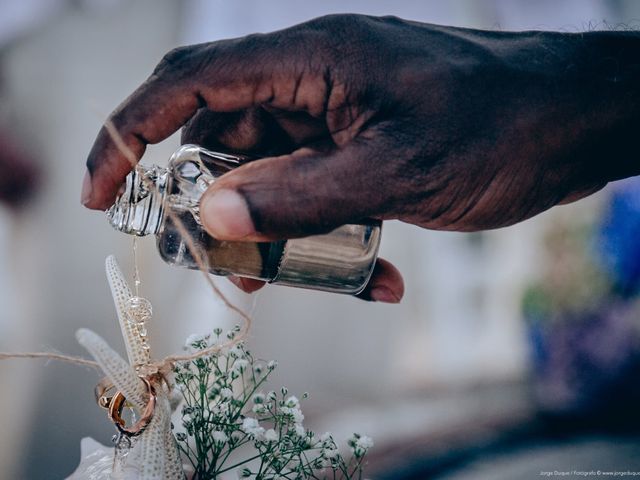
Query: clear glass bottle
340	261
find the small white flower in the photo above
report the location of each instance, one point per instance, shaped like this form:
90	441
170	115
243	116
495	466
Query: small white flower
252	427
236	352
299	430
219	437
364	442
272	365
271	435
360	444
294	412
330	453
250	423
259	409
298	417
226	393
292	402
259	398
241	364
197	341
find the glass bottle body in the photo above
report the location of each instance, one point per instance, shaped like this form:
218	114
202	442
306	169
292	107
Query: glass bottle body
340	261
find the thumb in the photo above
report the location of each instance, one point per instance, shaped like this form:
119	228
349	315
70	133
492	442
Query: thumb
292	195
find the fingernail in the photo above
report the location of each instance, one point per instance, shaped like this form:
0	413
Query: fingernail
384	295
85	196
225	215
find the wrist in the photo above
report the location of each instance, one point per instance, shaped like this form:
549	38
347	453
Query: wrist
583	90
602	70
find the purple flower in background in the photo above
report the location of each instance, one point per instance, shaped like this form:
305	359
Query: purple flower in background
619	237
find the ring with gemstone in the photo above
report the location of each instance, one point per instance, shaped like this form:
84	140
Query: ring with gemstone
117	403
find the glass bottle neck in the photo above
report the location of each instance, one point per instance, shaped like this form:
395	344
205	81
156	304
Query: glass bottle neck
138	210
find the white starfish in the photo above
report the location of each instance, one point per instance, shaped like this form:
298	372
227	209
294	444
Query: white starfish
154	455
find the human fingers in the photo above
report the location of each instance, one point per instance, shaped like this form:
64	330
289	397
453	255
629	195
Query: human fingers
386	284
221	76
247	285
295	195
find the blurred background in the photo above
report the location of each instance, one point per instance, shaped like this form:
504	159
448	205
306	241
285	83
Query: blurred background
513	352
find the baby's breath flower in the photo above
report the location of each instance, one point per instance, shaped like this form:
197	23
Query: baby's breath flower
271	435
219	437
252	427
217	392
236	352
293	412
197	341
241	364
259	409
360	444
330	453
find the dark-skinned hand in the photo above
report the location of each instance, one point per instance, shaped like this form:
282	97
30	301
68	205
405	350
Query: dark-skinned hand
358	117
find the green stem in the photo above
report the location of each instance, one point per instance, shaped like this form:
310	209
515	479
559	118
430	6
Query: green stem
239	464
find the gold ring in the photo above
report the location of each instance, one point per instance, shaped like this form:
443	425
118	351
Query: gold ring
101	392
116	405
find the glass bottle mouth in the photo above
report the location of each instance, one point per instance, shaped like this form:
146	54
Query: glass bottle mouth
138	209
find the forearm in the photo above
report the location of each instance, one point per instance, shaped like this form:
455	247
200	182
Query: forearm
611	98
587	85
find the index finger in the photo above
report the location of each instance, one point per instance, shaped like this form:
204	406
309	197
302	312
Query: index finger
221	76
159	107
